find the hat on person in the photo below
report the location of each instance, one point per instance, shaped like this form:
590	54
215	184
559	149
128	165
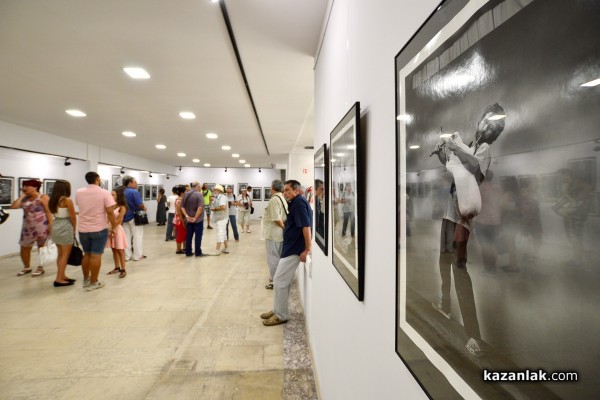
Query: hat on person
33	183
219	188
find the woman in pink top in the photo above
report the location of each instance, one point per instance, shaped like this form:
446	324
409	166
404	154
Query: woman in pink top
118	241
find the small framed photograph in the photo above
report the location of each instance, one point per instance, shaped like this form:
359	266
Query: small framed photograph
321	198
147	192
140	189
268	194
211	186
21	180
117	180
7	188
154	192
242	187
257	194
49	186
104	184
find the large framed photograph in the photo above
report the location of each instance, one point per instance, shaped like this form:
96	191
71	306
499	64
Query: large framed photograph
256	194
7	189
49	186
268	194
147	192
322	198
347	213
497	130
154	194
117	180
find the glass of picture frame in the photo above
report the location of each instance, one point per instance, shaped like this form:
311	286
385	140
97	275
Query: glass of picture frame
7	188
268	194
345	165
321	174
483	250
256	194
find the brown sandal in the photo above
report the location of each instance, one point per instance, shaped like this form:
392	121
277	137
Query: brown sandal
114	271
123	274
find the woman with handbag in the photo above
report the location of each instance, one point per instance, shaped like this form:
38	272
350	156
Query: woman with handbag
37	223
244	210
63	228
118	241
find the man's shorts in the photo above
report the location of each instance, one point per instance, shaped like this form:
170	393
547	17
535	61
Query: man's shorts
93	242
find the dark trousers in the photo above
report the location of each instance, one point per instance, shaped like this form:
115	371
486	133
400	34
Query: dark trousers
194	229
347	216
232	221
169	235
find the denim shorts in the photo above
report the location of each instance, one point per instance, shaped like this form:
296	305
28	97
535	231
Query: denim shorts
93	242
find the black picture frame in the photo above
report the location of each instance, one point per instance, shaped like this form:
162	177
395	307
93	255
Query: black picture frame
48	186
147	192
347	205
141	190
241	186
256	194
267	193
468	57
117	180
104	184
211	186
23	179
321	197
154	194
7	189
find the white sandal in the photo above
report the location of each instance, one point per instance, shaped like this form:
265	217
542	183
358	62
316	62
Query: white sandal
39	271
24	271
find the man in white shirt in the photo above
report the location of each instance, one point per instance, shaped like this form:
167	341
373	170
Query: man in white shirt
273	223
220	218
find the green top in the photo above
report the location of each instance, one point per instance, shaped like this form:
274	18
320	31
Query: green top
207	195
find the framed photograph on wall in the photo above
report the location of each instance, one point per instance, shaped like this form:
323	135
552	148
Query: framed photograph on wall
268	194
226	185
211	186
23	179
147	192
241	186
104	184
7	189
117	180
256	194
48	186
322	198
141	190
346	198
497	110
154	189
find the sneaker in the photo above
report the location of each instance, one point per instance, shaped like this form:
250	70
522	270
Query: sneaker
269	286
438	307
94	286
226	251
209	227
473	347
267	315
86	283
273	321
216	253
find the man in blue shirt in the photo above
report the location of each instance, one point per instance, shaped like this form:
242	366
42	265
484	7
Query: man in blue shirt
295	249
133	231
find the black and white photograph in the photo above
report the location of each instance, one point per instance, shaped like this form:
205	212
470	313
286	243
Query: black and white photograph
23	179
141	190
154	194
104	184
268	194
211	186
7	189
117	180
147	192
321	213
344	167
227	185
49	186
242	187
497	147
256	194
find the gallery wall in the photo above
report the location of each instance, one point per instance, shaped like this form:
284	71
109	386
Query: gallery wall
353	342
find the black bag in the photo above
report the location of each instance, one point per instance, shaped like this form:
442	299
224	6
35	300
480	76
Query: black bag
76	256
140	218
252	210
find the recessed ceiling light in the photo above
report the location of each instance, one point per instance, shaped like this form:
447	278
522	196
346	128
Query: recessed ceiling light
214	1
414	147
595	82
196	160
226	147
235	155
247	165
129	134
136	72
333	160
181	154
212	135
242	161
160	146
187	115
75	113
340	154
496	117
207	165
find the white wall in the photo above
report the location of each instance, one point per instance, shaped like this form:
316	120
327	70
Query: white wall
301	167
353	342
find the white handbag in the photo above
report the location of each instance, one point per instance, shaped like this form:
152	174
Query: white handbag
48	253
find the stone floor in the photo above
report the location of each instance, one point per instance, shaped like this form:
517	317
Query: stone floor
174	328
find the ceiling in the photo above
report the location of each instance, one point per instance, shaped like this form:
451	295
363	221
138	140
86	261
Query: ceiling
63	54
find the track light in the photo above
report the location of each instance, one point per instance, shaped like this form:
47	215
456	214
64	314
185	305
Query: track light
149	174
168	177
225	169
259	170
180	168
67	162
122	170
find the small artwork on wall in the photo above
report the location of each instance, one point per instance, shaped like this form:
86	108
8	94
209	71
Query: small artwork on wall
211	186
49	186
154	192
104	184
147	192
268	194
242	186
140	190
21	180
7	184
256	194
117	180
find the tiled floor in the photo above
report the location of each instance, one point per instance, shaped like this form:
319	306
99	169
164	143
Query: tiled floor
174	328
